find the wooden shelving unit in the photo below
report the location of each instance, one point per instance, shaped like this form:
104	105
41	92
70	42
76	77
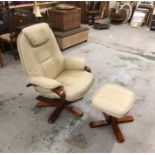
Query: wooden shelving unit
30	5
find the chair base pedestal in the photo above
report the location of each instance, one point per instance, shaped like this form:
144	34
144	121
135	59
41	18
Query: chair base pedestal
55	115
59	108
114	123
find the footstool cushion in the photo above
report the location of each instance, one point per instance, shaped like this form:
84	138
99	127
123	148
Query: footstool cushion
113	100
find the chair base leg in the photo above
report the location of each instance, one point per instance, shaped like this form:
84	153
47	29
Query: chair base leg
96	124
44	102
114	123
55	115
74	111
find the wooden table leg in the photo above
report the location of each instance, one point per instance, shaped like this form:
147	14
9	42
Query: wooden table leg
1	59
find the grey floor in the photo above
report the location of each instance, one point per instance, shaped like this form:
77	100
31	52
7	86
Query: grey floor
121	55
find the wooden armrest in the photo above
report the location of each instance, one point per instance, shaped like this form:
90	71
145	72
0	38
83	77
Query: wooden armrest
87	69
60	91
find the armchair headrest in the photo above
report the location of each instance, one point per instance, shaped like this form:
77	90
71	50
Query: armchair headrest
37	34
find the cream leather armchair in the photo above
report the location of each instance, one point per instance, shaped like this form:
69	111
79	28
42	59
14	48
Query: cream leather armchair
59	80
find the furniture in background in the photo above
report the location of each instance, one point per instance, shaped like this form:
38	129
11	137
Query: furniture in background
83	6
133	5
11	37
147	12
59	80
5	17
91	15
128	8
1	59
102	7
152	23
4	26
115	102
148	9
142	14
102	24
64	19
27	8
23	8
118	17
72	37
97	10
94	10
30	4
137	19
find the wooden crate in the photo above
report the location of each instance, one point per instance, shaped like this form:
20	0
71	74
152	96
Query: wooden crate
64	20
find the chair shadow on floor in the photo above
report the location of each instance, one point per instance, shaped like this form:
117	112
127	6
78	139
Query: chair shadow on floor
82	138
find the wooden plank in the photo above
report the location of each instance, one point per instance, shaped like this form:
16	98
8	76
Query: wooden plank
31	5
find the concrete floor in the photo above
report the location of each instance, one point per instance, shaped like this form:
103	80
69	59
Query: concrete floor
121	55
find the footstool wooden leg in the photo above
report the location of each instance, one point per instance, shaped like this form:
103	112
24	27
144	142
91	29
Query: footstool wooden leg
74	111
125	119
96	124
117	130
54	116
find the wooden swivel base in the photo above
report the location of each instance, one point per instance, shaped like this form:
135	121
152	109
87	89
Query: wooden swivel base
45	102
114	123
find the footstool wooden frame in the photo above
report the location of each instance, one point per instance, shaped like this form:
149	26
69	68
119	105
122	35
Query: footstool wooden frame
115	102
114	123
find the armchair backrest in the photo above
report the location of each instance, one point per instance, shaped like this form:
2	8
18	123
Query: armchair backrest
39	51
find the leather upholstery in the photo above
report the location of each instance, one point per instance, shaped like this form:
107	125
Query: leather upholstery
38	36
47	68
76	83
113	100
74	63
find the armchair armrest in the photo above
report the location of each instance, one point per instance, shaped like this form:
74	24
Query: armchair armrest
44	82
86	68
75	63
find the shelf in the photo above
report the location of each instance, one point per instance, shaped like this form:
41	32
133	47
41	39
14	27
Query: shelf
31	5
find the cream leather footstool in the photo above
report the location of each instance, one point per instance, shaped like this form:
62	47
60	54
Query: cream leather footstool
115	102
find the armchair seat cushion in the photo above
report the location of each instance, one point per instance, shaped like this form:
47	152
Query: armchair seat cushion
76	83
